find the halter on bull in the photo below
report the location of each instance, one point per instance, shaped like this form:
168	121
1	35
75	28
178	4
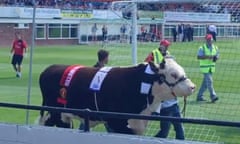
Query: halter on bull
136	89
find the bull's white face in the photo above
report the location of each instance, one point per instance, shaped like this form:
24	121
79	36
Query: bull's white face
175	84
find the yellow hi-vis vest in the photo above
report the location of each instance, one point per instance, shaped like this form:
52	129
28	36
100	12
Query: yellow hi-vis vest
157	56
207	65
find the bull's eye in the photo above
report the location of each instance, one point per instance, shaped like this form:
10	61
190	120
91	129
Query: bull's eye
161	78
174	75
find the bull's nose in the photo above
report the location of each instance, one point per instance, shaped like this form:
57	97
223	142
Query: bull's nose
193	88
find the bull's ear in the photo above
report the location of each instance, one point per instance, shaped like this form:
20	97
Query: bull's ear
162	64
153	67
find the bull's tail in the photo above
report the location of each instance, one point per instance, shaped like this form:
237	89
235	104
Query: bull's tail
40	120
42	111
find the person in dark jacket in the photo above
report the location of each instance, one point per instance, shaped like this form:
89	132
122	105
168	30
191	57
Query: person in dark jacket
102	58
102	61
174	33
180	32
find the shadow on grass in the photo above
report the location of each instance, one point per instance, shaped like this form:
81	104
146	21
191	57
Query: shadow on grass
8	77
194	102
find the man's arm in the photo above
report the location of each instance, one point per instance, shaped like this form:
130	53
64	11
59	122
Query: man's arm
204	57
149	58
12	48
201	55
25	48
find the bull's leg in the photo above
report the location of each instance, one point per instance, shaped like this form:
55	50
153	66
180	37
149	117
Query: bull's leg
64	124
119	126
65	121
41	120
54	119
138	126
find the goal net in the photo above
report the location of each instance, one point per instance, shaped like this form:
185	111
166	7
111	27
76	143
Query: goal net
120	30
159	19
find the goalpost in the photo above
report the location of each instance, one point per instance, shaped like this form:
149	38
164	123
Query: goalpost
225	15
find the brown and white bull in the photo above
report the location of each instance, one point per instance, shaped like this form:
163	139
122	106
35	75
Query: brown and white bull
135	89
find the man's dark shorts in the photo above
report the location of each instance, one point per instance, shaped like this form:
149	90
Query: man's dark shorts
17	59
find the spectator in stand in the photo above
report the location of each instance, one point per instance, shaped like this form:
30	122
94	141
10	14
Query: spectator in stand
143	33
212	29
191	31
185	33
153	32
104	33
180	32
18	51
67	5
123	30
174	33
94	32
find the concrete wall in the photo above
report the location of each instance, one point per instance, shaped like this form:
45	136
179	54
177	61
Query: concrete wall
21	134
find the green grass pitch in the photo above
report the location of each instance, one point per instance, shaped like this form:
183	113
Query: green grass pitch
226	82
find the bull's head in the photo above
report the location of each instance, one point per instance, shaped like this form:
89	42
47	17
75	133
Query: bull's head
170	80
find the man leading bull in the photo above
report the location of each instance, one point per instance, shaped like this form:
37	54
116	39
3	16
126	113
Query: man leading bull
168	107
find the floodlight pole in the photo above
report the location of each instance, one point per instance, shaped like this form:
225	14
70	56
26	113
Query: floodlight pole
30	60
134	33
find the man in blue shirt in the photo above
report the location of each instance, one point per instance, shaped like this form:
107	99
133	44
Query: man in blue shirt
168	107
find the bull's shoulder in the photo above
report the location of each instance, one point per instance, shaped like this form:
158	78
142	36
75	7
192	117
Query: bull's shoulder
126	73
137	67
55	67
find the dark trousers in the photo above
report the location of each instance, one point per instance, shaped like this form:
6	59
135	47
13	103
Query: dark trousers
174	38
172	111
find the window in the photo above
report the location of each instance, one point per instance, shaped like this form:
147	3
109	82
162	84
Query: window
235	31
74	31
168	30
66	31
21	26
69	30
54	31
220	31
40	31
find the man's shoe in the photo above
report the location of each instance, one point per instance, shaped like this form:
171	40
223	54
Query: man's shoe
155	113
157	135
18	75
201	100
214	99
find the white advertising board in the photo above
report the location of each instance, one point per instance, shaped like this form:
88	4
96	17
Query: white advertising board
40	12
196	17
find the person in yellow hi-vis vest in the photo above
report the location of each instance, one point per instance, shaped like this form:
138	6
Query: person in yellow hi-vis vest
158	54
208	54
167	107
